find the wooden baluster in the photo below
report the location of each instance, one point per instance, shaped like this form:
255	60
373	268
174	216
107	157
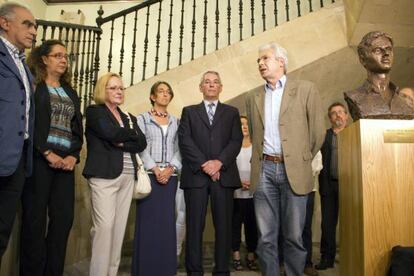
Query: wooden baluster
228	22
75	49
298	5
144	63
72	47
180	49
60	33
87	72
169	35
111	40
205	18
252	15
217	23
310	6
287	10
134	47
264	14
241	19
157	43
121	53
52	35
321	3
275	12
82	68
94	63
44	33
193	26
66	37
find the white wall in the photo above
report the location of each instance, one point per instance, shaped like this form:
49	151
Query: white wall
37	7
90	11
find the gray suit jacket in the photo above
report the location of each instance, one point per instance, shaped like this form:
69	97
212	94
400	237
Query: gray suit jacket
302	132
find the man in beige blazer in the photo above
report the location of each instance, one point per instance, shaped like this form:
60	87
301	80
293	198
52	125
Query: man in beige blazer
287	130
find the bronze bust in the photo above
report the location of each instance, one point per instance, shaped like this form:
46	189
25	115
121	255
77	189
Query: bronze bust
378	97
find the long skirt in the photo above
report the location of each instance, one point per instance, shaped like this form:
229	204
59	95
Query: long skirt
155	247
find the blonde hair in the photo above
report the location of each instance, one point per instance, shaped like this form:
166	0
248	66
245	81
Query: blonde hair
99	92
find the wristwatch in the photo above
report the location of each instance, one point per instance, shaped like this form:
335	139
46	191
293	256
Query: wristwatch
46	153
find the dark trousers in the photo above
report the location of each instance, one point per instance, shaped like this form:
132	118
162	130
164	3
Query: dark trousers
243	213
329	210
196	201
10	192
49	194
307	230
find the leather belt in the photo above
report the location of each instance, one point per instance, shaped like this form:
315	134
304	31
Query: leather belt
274	159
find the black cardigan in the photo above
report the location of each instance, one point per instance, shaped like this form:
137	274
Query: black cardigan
42	122
103	134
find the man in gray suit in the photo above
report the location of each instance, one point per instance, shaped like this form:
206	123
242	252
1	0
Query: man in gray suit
287	130
17	32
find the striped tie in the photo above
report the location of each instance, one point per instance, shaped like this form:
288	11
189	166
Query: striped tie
210	112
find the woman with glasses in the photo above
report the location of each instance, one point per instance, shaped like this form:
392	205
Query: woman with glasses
113	139
48	196
155	235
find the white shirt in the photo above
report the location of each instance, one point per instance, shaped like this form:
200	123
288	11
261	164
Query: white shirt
206	103
273	101
244	166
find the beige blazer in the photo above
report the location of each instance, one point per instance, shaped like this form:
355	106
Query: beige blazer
301	127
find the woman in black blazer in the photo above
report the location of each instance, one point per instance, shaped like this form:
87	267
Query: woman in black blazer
111	169
48	196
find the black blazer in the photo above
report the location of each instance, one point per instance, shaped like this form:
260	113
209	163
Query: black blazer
325	185
199	142
42	122
103	133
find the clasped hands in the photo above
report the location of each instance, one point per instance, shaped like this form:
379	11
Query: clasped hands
164	175
55	161
212	168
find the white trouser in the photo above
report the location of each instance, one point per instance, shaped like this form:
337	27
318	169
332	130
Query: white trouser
180	221
111	199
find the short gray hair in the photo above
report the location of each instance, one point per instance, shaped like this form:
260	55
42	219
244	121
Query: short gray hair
278	50
210	72
7	10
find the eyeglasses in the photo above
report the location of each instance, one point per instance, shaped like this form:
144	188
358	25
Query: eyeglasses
59	56
115	88
336	113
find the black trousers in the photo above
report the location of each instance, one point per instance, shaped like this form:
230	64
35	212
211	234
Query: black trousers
48	200
307	230
329	210
10	192
243	213
196	200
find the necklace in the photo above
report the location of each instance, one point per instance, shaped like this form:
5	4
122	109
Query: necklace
159	114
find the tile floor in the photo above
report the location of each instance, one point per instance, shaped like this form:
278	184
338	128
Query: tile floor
81	268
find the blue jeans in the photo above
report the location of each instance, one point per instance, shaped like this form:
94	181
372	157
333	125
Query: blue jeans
276	206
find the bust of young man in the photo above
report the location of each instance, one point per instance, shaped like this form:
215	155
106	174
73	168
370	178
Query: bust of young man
378	97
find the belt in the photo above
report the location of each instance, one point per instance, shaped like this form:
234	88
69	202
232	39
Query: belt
274	159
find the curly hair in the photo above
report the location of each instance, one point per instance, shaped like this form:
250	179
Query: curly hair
366	41
38	67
